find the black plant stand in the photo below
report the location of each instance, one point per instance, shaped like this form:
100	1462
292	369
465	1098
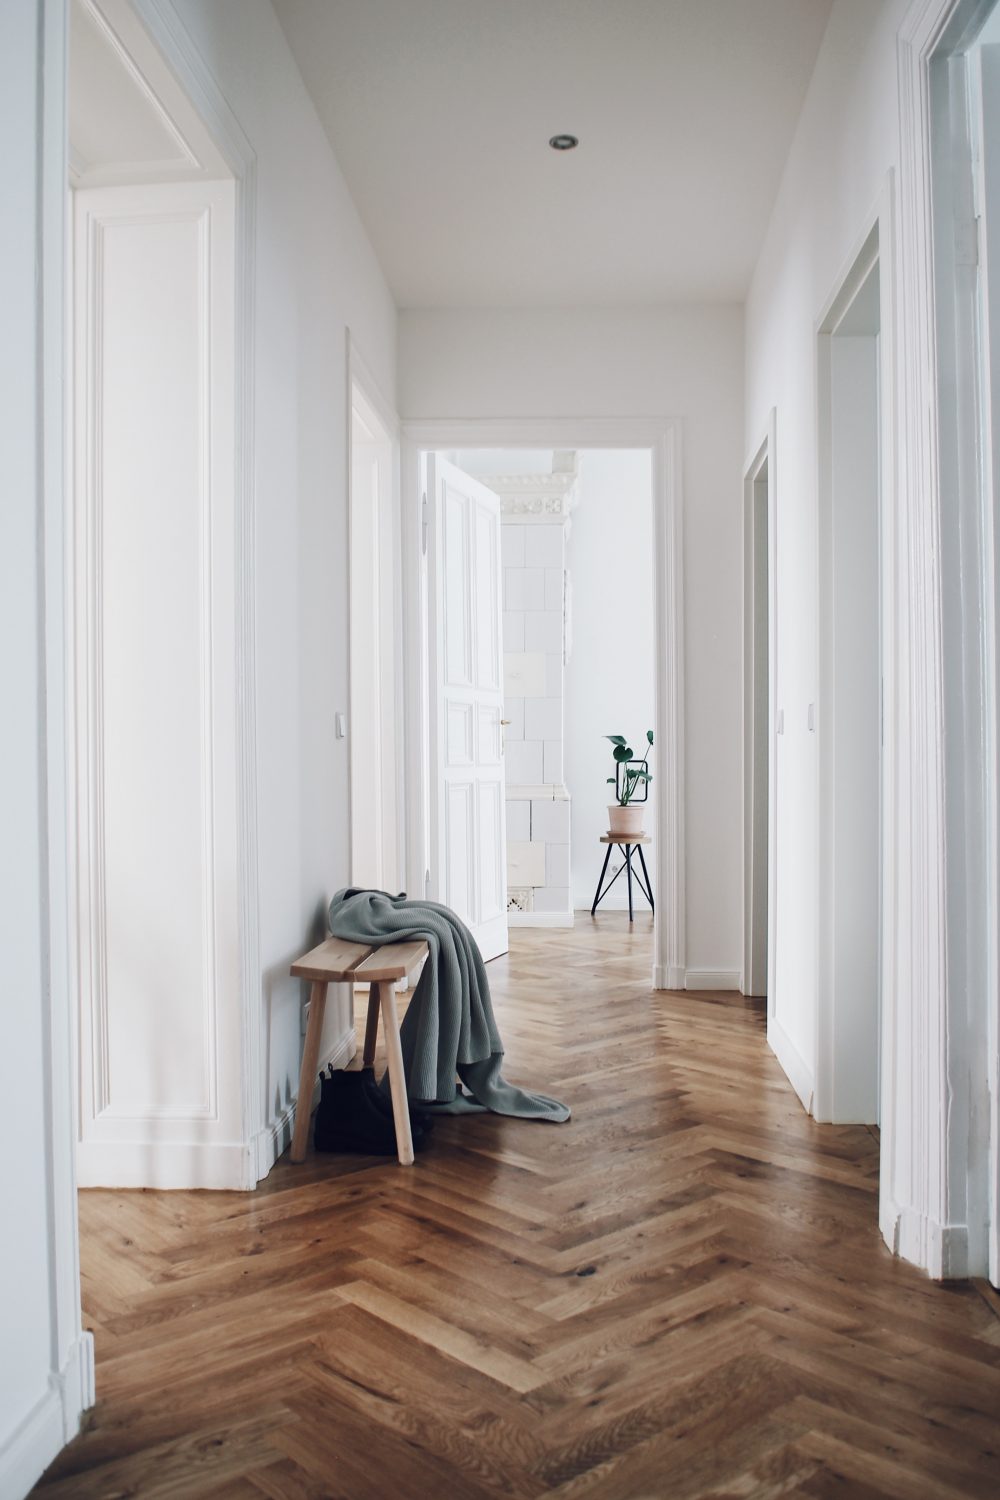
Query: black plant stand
632	844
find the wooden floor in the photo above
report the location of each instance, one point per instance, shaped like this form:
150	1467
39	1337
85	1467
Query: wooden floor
682	1292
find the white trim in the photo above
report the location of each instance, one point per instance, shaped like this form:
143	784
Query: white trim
663	436
796	1069
986	135
943	1249
668	977
712	979
56	1418
277	1137
927	1107
540	919
52	1422
359	372
199	84
163	1165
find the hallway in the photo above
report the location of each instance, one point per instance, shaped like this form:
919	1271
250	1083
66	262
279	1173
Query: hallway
683	1292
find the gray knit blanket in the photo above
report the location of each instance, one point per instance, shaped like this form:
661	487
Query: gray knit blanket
449	1031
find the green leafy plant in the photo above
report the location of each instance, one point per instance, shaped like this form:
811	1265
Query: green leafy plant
632	776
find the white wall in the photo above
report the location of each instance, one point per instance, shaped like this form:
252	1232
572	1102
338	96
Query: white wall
610	686
846	163
45	1362
845	144
684	362
316	275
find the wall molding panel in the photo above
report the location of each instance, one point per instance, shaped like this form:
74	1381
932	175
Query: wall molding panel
161	1086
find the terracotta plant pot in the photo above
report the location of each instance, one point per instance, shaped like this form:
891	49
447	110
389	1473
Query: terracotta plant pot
622	820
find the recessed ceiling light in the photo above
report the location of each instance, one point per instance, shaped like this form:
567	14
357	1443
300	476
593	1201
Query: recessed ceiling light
564	142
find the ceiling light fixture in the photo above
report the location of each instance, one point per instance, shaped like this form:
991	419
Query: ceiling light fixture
564	142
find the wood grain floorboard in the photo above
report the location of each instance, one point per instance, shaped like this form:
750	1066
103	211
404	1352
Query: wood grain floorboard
680	1293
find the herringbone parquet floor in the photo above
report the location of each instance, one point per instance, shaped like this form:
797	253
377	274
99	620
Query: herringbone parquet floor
680	1293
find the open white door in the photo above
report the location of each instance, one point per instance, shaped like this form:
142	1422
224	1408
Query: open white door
468	835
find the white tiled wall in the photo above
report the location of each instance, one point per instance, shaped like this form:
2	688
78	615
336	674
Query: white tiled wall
533	557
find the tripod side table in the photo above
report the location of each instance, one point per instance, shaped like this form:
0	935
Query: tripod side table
632	843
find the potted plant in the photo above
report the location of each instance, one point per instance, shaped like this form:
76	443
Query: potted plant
631	779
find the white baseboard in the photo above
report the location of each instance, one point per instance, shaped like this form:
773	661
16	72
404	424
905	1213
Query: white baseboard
942	1250
668	977
53	1421
229	1166
797	1072
162	1164
277	1137
712	979
539	919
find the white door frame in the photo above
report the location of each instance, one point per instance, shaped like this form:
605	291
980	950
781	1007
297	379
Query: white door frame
934	1199
360	379
987	110
765	455
662	436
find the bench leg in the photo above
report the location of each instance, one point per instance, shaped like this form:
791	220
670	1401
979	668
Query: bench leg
307	1077
371	1027
397	1081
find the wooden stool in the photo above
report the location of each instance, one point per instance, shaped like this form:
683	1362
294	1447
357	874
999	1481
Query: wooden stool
339	962
631	841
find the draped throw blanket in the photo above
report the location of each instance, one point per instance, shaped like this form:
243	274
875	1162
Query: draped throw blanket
449	1031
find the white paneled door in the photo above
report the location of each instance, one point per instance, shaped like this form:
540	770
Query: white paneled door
468	837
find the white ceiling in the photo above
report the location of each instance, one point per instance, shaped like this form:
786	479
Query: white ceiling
440	112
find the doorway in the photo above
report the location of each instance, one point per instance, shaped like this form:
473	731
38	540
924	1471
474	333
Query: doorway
577	630
759	658
374	712
848	715
661	442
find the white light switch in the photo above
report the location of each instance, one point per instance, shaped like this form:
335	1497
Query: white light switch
341	726
780	725
811	718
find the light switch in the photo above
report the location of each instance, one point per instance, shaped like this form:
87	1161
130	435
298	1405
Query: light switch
780	725
341	726
811	718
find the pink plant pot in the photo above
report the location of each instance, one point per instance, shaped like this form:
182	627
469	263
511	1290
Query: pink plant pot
625	820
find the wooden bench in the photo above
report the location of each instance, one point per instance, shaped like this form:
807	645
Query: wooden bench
339	962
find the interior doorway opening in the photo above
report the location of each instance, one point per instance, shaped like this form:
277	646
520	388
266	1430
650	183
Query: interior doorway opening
374	713
848	716
661	439
759	657
569	574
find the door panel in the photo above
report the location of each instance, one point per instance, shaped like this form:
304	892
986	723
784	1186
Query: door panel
468	843
155	622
